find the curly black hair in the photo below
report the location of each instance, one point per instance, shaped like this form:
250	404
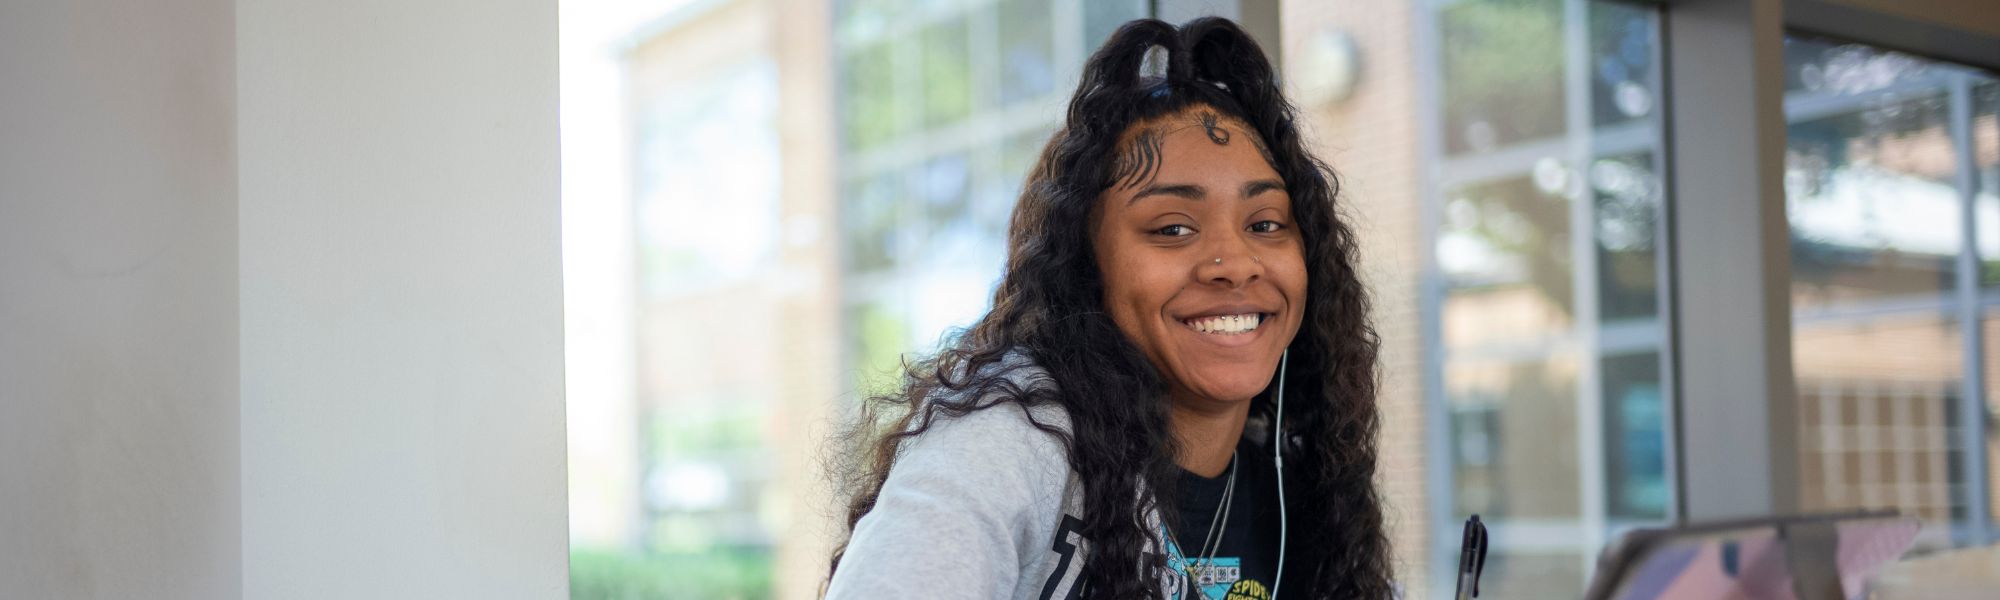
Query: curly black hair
1049	305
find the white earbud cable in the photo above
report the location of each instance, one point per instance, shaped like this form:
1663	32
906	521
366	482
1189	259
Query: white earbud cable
1278	462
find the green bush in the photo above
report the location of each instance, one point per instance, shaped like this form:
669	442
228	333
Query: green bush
721	575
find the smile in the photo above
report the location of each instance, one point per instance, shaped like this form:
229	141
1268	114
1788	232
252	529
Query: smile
1226	324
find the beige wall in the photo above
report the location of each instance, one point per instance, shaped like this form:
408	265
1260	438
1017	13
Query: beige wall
813	386
118	423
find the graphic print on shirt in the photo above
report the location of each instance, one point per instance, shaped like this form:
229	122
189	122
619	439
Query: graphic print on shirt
1222	580
1069	540
1066	581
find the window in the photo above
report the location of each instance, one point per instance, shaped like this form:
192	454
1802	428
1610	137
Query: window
944	106
1549	344
1887	157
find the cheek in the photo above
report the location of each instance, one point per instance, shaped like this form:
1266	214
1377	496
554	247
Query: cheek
1135	290
1292	280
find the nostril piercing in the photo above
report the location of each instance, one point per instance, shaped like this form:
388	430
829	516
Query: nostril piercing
1218	260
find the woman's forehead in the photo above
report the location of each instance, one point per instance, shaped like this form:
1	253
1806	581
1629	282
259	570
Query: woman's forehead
1143	149
1222	128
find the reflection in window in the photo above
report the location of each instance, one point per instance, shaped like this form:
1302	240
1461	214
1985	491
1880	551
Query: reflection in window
1874	213
1506	244
1549	337
947	73
1027	51
944	107
1635	436
1505	411
1503	68
1627	192
1884	155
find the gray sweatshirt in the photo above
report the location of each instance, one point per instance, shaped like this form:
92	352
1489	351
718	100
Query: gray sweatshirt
980	506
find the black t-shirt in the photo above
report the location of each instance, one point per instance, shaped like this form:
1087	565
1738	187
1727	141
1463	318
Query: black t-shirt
1246	561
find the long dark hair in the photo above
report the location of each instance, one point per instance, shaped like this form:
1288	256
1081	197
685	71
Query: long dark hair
1050	306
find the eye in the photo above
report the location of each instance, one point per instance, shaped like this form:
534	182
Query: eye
1174	231
1267	227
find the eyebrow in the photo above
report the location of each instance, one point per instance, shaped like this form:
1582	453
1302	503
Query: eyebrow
1196	192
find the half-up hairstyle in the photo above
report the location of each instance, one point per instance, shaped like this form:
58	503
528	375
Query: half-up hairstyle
1050	306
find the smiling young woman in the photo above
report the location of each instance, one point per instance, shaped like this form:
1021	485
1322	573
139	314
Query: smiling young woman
1179	342
1214	327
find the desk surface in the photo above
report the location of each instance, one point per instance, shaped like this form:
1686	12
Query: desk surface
1963	573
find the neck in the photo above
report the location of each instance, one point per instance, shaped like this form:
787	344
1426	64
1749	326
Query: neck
1207	431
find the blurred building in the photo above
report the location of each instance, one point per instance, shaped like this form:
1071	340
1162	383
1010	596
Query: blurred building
817	190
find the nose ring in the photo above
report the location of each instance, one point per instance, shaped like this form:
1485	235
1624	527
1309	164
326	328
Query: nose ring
1218	260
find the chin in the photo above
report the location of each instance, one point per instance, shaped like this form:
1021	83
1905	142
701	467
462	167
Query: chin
1236	384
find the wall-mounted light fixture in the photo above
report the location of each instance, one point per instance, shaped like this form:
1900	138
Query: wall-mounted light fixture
1326	68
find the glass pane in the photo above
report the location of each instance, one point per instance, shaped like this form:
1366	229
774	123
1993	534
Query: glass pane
1503	73
1877	407
1513	427
1872	175
877	336
1514	424
1101	17
926	198
1531	574
860	19
1623	85
1873	208
947	73
1635	437
1627	192
1020	151
870	219
868	96
1027	50
950	236
1503	248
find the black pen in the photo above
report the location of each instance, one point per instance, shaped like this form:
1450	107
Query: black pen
1471	558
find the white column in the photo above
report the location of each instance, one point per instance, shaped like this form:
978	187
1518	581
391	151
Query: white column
402	407
1732	260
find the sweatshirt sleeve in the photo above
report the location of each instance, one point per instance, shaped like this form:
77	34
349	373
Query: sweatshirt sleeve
957	513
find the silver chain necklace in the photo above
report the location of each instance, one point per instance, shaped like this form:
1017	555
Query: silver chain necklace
1218	526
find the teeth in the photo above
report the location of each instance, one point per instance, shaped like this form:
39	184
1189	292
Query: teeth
1227	324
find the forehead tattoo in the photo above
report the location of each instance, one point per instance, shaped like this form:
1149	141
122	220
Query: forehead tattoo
1140	160
1215	133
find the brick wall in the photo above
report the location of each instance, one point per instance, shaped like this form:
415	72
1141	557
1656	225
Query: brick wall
1370	139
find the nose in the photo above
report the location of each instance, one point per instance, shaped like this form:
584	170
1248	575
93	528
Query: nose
1229	264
